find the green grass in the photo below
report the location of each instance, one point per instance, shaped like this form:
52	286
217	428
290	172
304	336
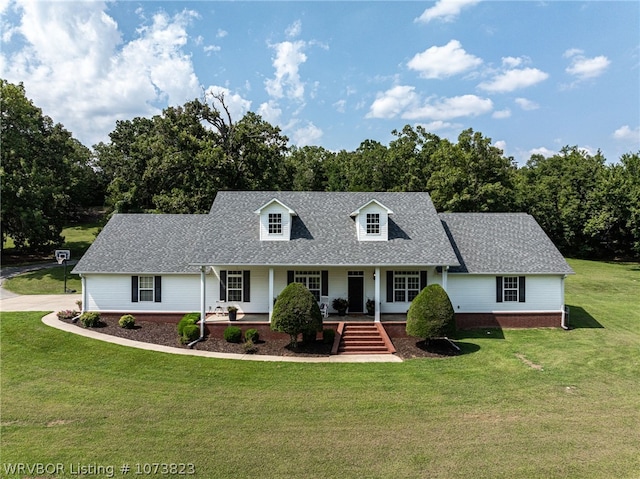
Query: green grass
531	403
51	281
44	281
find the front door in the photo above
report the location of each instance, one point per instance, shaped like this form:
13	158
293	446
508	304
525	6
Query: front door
356	291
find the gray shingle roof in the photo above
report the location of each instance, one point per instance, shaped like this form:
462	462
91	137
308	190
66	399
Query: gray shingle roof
323	232
143	243
502	243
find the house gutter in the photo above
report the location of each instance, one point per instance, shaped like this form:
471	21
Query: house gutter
565	309
203	312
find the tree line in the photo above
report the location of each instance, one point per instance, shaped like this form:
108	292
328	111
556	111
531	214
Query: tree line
177	161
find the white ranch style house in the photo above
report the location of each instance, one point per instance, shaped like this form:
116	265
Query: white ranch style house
499	269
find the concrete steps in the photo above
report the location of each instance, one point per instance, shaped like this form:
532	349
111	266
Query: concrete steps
362	338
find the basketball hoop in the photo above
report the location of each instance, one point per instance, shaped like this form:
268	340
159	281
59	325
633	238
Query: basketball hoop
62	255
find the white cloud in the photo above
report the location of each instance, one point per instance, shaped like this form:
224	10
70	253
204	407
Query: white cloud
542	151
512	62
294	29
625	133
75	65
443	62
211	48
340	106
439	125
513	80
501	144
289	57
270	112
306	135
445	10
392	102
221	33
450	108
584	68
501	114
526	104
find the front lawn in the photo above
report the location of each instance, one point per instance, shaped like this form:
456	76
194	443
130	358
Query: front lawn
521	403
44	281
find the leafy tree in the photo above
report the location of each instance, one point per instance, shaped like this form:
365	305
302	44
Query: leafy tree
430	314
38	160
472	175
296	311
411	156
306	168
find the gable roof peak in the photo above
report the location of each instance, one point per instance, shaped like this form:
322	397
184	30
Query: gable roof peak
275	200
357	212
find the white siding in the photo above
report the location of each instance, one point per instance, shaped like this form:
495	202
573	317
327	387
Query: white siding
361	223
477	294
264	223
112	292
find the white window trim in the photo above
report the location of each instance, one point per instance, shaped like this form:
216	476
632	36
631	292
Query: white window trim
406	275
274	222
236	275
511	289
141	289
303	278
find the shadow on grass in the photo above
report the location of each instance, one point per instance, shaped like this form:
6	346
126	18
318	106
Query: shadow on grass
579	318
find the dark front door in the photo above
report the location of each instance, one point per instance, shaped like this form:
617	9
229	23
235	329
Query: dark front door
356	294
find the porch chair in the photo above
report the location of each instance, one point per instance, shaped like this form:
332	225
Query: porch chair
324	306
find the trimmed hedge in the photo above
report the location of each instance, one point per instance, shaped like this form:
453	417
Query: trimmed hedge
328	335
90	320
187	319
127	321
296	311
252	335
233	334
431	314
190	332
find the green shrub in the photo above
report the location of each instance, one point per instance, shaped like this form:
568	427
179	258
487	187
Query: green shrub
296	311
431	314
252	335
90	320
187	319
190	332
249	347
127	321
233	334
328	335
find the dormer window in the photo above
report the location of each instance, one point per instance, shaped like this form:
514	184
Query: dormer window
373	223
275	223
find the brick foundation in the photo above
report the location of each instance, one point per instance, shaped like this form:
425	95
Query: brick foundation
151	317
508	320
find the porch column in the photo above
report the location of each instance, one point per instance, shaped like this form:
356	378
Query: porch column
445	270
377	295
203	298
83	279
270	293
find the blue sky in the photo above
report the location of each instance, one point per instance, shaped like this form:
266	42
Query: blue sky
532	76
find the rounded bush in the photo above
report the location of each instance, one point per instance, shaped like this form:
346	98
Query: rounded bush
127	321
190	332
187	319
252	335
296	311
90	320
430	314
233	334
309	337
328	335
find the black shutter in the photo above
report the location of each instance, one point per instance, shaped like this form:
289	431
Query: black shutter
324	283
157	286
134	289
499	289
389	286
246	286
521	289
223	285
289	277
423	280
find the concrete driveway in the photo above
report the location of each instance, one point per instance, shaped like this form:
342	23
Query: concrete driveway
40	302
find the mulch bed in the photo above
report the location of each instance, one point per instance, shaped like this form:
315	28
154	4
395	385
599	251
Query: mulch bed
166	334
